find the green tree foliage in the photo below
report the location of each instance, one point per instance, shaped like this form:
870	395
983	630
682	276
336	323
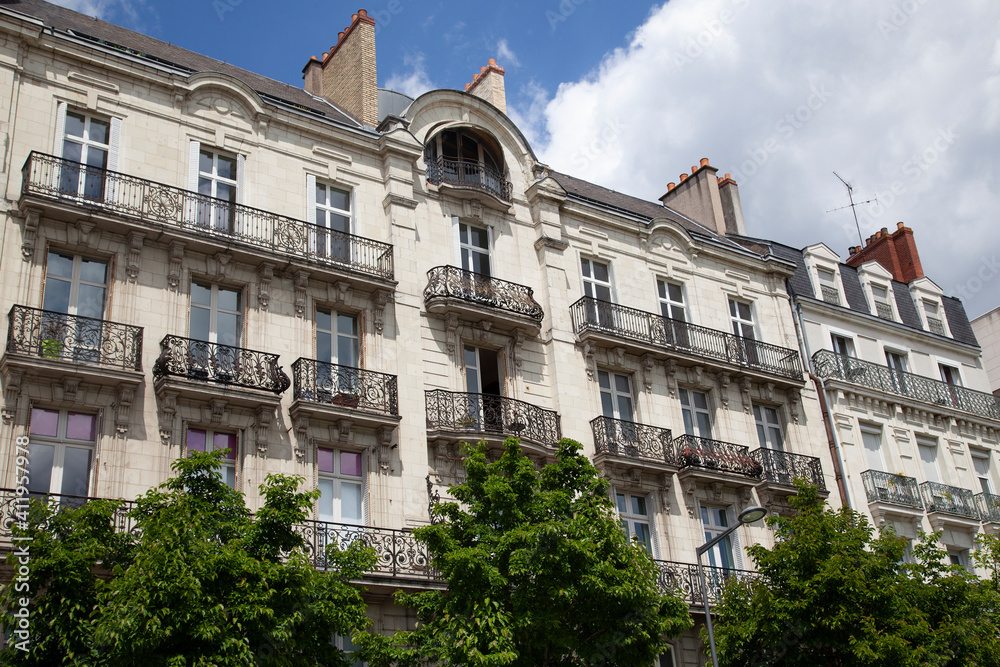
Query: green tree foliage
539	573
832	592
201	582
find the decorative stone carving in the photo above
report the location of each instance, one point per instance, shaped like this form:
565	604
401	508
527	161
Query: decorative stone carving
341	431
70	388
451	333
301	289
379	300
83	229
215	411
617	357
123	408
220	264
30	234
671	368
262	425
745	384
515	350
648	363
634	476
767	392
265	274
724	379
135	240
384	449
12	389
301	436
588	359
794	401
689	488
176	264
666	480
338	292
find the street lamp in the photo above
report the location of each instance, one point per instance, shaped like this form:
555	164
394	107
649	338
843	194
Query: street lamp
749	515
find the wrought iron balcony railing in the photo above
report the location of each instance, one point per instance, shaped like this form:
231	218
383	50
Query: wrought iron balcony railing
489	414
222	364
398	553
989	507
13	507
149	201
694	452
887	487
630	439
784	467
345	386
50	335
682	579
949	499
888	380
469	174
450	281
591	314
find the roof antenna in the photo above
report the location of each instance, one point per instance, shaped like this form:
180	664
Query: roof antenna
853	205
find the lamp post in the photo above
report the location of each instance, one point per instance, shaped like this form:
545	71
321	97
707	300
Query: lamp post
749	515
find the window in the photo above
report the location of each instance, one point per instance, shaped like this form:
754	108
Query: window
897	362
666	658
932	312
87	140
981	463
635	519
453	148
768	427
482	382
597	285
883	308
74	285
217	178
697	419
950	375
928	457
742	319
873	448
330	211
616	395
842	345
201	440
828	286
671	300
61	451
959	557
474	249
216	318
341	486
347	646
715	521
338	351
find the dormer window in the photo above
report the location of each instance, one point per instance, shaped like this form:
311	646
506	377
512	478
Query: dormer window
828	286
466	159
883	308
932	313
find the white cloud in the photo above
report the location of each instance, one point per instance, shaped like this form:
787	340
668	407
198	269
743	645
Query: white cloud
129	13
897	97
505	55
415	82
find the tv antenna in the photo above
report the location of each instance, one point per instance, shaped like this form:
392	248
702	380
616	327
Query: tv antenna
853	205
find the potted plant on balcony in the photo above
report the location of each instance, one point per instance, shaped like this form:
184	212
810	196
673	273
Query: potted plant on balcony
466	421
52	348
347	399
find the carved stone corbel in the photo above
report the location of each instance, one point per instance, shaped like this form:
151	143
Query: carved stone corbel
724	379
744	497
265	274
696	376
11	392
341	431
794	400
670	366
123	408
515	350
588	359
338	292
379	300
767	392
168	409
301	288
134	260
30	234
176	264
262	425
617	357
70	387
745	385
451	333
84	229
666	480
689	488
634	476
648	363
221	265
383	436
717	489
215	411
301	436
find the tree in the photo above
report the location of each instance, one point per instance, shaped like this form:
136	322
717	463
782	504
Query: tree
201	582
832	592
538	572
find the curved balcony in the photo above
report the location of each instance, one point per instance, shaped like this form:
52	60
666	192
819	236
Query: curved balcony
451	289
783	468
202	362
830	365
649	332
469	174
630	440
479	415
51	335
716	456
151	204
321	389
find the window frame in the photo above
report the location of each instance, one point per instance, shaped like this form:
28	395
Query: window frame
765	427
846	337
738	323
337	478
926	442
833	285
630	517
336	336
615	394
878	433
60	442
938	316
235	455
667	303
983	455
694	410
710	530
595	282
888	303
215	310
76	281
463	247
323	237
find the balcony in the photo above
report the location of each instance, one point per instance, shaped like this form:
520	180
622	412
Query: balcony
470	174
682	580
989	507
783	468
830	365
716	461
450	289
197	363
643	332
481	416
58	346
886	487
323	389
629	442
949	500
147	204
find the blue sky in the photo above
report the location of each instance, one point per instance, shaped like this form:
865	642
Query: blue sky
901	97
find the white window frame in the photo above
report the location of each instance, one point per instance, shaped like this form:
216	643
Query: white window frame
939	316
877	432
766	427
325	247
336	336
61	443
713	528
594	282
230	466
931	469
612	392
695	411
456	230
739	324
901	353
852	344
983	455
629	518
194	174
113	145
215	309
75	280
833	284
942	365
667	303
889	298
337	478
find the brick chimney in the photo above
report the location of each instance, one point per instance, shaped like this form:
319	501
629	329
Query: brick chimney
488	85
732	208
698	197
346	75
897	252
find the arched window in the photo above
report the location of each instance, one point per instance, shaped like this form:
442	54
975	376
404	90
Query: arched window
467	159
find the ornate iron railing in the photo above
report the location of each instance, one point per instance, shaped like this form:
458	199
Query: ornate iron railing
784	467
989	507
875	376
949	499
131	197
489	414
469	174
51	335
223	364
450	281
591	314
830	294
887	487
630	439
682	579
694	452
13	505
331	384
398	553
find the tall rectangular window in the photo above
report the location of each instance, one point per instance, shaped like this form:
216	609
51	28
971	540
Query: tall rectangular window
950	375
768	427
483	384
634	515
742	318
78	286
671	300
87	141
928	448
981	463
616	395
597	285
202	440
341	486
873	449
715	521
474	249
61	452
828	286
338	351
932	312
898	363
842	345
332	216
217	182
216	318
883	308
697	418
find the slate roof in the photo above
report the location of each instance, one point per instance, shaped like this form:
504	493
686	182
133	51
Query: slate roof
161	53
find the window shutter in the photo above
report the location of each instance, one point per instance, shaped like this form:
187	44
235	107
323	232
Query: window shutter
651	503
457	239
310	199
366	459
239	458
737	547
241	169
57	145
114	147
489	244
194	150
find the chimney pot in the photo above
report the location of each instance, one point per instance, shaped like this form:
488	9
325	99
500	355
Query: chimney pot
354	17
885	231
671	186
727	177
683	177
899	225
340	36
693	169
362	12
704	162
493	61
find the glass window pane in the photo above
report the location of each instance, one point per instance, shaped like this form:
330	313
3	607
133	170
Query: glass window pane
643	533
226	441
704	426
340	199
72	152
81	427
97	157
229	329
40	459
76	471
321	194
347	351
622	384
685	400
59	265
201	320
90	301
201	295
326	500
351	510
772	415
57	293
639	505
585	267
205	162
225	192
761	436
99	130
196	440
45	422
675	293
227	167
604	380
601	272
620	501
661	287
350	464
324	347
347	325
700	400
324	460
607	405
324	320
93	271
229	476
75	124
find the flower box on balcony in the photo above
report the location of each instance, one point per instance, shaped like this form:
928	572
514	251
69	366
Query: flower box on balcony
345	400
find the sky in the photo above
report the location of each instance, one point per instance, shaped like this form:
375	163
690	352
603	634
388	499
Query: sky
901	98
